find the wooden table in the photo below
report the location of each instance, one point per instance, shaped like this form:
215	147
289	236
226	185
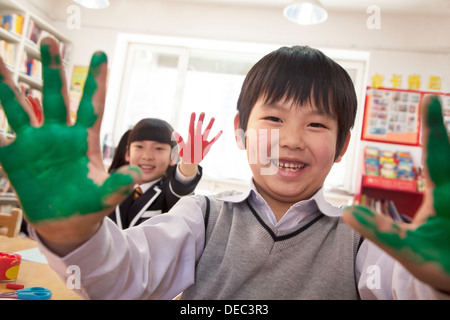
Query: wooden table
35	274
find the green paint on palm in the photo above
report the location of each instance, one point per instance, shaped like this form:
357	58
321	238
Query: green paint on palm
48	166
429	242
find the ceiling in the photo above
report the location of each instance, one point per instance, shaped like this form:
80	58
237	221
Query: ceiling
439	7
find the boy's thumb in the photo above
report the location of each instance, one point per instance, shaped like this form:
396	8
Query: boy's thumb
119	185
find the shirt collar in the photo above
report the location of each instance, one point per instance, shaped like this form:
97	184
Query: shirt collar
317	200
147	185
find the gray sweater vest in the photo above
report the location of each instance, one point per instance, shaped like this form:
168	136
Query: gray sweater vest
246	258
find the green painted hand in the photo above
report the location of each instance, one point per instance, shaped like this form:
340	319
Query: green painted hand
423	246
56	168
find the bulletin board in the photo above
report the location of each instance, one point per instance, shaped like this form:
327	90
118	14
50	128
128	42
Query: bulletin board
393	115
79	75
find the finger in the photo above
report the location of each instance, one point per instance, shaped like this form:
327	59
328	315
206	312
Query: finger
119	185
436	142
90	110
380	229
208	147
191	126
13	103
55	95
180	142
215	138
416	247
208	129
92	103
198	130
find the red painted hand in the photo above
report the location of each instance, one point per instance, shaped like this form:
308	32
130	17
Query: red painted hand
197	146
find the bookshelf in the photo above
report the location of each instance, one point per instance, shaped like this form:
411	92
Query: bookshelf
377	191
20	33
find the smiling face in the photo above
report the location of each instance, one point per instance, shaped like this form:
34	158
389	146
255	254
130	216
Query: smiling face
299	159
152	157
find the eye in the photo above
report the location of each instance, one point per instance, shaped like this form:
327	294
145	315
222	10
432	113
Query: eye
316	125
274	119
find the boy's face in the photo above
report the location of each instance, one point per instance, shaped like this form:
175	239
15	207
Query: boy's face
299	151
152	157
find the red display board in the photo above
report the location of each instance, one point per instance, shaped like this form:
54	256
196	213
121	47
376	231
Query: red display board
393	115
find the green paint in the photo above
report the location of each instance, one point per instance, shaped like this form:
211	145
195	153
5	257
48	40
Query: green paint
86	112
438	159
48	166
430	242
55	110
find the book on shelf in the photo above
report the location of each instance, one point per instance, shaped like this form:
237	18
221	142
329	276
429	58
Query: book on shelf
34	68
384	207
35	34
12	22
8	52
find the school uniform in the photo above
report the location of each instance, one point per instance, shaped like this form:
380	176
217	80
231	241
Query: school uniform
156	197
170	253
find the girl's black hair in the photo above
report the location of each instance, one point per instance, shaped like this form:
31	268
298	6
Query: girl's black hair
304	75
152	129
119	155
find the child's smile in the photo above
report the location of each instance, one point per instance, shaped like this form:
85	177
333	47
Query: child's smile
288	167
152	157
146	168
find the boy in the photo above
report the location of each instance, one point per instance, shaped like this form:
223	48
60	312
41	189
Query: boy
150	147
280	239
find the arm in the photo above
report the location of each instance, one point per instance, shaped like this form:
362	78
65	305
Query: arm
381	277
154	260
55	168
422	247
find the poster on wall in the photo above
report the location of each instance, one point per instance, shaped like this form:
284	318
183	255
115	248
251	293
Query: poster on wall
79	75
392	116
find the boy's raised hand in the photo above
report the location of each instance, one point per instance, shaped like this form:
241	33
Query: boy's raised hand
423	246
197	146
56	169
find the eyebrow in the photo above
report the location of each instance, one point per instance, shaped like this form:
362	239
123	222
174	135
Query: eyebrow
274	105
283	107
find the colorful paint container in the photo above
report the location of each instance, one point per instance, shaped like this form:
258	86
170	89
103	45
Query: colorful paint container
9	266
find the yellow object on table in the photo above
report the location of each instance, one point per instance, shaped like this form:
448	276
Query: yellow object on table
35	274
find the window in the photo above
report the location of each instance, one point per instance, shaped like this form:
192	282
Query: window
169	78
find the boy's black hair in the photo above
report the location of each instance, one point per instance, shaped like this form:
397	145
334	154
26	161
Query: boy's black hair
305	75
152	129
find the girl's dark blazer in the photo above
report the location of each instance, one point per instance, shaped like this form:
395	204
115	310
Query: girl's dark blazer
158	199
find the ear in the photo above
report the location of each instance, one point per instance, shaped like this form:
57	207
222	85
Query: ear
239	133
127	155
344	148
173	159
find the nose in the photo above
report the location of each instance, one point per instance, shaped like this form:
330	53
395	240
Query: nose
292	137
148	154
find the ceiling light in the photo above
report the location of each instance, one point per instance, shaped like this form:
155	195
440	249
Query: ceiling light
305	12
93	4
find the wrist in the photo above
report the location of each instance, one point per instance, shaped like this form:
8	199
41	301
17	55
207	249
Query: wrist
63	237
188	169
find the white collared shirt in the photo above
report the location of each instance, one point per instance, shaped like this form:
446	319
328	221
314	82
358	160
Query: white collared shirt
157	259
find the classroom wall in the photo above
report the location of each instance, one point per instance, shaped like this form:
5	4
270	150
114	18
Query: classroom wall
421	34
403	44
